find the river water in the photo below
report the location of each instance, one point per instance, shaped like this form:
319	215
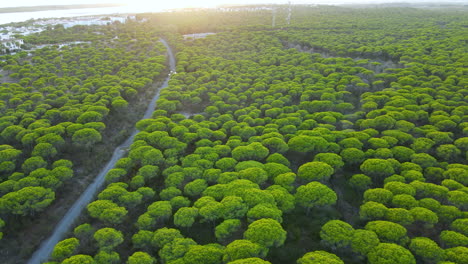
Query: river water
23	16
46	248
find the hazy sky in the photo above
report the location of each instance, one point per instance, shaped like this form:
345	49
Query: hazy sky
194	3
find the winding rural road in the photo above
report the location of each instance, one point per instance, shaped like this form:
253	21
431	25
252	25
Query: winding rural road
46	248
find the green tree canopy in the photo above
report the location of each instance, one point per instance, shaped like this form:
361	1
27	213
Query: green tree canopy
207	254
427	249
108	238
266	232
336	234
315	171
319	257
388	231
250	261
141	258
86	137
240	249
65	249
315	194
387	253
377	168
364	241
26	201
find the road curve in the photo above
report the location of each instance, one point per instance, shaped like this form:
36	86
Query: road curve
46	247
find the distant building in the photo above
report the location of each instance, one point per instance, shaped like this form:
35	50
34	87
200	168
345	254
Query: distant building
197	35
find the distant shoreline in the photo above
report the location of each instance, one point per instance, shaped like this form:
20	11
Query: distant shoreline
22	9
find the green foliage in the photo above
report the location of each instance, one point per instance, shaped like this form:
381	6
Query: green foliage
195	188
427	249
352	156
86	137
453	239
388	232
83	231
233	207
457	254
315	194
331	159
108	238
224	230
164	236
266	232
185	216
364	241
107	211
65	249
79	259
250	261
142	239
241	249
33	163
285	180
460	225
400	188
360	182
373	210
105	256
458	198
179	201
158	211
26	201
315	171
141	258
379	195
278	158
404	201
207	254
387	253
253	151
336	234
385	103
254	174
377	168
176	249
284	200
226	164
212	211
400	216
319	257
424	160
275	169
424	216
305	143
264	210
2	224
458	174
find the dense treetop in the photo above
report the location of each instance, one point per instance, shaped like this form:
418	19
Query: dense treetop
57	102
340	138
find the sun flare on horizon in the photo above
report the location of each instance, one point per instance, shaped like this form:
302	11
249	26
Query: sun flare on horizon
178	4
150	5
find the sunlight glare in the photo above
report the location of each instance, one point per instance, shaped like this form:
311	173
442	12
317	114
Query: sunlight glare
172	4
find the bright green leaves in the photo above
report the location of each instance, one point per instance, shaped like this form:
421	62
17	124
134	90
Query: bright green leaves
266	232
319	257
387	253
315	171
108	238
315	194
27	201
336	234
